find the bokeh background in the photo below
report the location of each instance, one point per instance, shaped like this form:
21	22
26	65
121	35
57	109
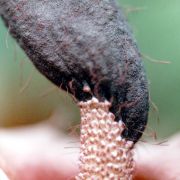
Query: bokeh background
27	97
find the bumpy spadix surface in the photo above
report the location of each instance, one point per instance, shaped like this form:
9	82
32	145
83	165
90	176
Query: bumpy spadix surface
104	154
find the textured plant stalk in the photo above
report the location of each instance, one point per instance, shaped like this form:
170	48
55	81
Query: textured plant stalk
104	154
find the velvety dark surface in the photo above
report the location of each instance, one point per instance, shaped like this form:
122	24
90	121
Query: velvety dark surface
84	43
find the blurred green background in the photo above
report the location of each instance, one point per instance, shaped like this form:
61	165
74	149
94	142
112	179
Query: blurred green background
27	97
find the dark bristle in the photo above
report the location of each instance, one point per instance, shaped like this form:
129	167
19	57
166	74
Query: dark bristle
78	42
